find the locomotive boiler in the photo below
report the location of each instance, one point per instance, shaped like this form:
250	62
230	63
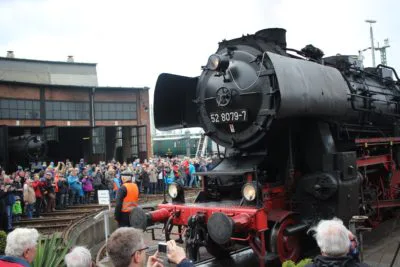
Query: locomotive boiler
306	137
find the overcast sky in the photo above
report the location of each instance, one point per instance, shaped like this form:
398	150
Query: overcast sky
134	41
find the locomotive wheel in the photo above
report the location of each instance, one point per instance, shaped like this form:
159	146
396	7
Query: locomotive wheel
286	247
218	251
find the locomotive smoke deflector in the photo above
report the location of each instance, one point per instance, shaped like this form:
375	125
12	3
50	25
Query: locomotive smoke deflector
173	102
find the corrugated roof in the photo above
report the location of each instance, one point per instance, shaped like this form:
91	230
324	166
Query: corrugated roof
71	86
48	72
47	61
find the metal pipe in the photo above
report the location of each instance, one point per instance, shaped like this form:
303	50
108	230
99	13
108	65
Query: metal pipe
295	229
372	45
163	183
372	40
92	106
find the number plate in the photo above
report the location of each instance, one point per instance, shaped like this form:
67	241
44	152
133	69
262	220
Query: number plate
239	115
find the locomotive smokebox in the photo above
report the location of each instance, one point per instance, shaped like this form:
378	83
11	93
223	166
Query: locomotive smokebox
31	147
274	35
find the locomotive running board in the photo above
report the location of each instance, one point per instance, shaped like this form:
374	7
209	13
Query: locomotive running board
234	166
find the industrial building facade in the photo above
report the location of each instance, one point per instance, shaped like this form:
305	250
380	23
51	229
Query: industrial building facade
55	110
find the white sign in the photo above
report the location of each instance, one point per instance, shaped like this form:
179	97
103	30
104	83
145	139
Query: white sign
104	197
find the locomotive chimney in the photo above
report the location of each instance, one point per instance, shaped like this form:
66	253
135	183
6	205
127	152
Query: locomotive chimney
274	35
10	54
70	59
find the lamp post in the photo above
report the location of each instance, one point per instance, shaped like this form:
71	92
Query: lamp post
372	40
163	183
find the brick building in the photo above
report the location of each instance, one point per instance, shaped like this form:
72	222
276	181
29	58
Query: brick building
56	110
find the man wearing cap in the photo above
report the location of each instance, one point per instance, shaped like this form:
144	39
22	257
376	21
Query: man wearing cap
127	199
49	192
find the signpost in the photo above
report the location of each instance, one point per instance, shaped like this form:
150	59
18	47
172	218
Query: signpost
104	199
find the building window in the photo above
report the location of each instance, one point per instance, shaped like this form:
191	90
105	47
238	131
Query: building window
115	111
98	140
67	110
134	142
142	139
19	109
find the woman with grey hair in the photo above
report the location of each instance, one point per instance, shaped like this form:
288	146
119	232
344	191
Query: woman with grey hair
334	241
21	247
79	257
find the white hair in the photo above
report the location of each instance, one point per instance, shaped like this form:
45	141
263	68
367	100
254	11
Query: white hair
20	240
78	257
332	237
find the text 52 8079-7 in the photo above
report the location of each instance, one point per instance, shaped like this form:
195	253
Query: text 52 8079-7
229	116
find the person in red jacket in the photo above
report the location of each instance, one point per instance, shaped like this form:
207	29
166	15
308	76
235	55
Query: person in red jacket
21	248
38	187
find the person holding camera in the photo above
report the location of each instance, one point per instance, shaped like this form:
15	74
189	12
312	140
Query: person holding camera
126	247
337	244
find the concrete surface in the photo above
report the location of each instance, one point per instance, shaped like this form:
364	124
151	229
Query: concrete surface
381	244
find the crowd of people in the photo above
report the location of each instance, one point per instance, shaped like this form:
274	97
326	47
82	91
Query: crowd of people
126	247
45	188
50	187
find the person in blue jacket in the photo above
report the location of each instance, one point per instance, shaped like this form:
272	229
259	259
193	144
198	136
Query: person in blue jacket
75	186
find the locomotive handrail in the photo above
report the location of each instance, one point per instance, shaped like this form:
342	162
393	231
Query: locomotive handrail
216	173
377	140
391	68
376	100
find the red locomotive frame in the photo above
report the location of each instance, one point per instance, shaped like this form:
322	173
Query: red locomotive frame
250	224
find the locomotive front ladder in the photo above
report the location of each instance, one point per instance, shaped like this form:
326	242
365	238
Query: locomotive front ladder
201	146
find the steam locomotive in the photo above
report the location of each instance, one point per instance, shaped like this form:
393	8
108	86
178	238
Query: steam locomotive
27	148
306	137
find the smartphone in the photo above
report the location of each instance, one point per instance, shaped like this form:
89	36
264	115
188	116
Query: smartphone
162	247
162	253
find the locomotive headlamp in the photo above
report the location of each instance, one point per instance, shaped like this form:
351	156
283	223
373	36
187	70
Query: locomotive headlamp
249	191
173	190
218	63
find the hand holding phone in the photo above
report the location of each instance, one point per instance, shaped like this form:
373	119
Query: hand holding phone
162	247
162	253
175	253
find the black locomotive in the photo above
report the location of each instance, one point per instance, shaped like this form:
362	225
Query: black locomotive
27	148
306	136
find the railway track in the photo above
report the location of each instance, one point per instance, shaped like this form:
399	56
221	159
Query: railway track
59	220
64	221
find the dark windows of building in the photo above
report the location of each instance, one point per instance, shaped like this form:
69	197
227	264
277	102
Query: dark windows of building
67	110
134	142
142	142
142	139
115	111
98	140
19	109
118	137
